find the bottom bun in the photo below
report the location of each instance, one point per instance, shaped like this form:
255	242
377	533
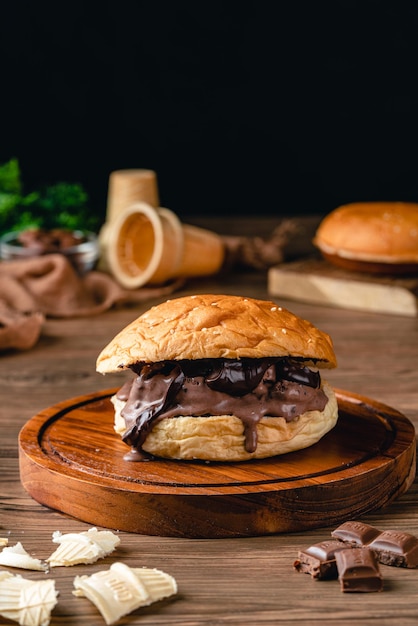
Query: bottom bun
221	437
370	267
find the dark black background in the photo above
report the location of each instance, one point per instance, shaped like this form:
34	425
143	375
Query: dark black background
240	107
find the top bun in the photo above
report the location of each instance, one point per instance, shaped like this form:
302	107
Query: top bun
215	326
381	232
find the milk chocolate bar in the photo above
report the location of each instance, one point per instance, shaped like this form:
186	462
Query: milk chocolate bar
356	533
358	570
318	560
393	547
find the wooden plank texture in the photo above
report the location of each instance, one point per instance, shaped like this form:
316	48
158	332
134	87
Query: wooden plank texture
317	281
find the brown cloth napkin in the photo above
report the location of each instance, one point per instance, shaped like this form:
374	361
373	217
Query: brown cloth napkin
48	286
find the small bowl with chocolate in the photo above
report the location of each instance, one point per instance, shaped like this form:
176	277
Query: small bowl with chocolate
81	248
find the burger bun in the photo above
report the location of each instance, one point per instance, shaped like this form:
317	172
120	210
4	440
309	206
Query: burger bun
208	326
373	237
221	437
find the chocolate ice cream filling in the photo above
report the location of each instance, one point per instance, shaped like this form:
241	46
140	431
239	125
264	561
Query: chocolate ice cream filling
246	388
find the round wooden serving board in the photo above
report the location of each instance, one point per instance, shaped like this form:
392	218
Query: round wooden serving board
72	461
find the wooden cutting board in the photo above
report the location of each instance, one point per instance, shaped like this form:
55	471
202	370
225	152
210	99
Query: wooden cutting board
71	461
317	281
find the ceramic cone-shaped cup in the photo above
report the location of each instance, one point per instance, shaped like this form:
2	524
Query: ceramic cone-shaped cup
125	188
129	186
148	245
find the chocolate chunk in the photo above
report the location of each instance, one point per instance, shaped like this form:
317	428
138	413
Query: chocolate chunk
396	548
358	570
355	533
319	559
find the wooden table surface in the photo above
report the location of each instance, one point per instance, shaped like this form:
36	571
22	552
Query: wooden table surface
247	581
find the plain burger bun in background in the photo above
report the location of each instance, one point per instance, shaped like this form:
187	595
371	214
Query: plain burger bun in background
376	237
221	378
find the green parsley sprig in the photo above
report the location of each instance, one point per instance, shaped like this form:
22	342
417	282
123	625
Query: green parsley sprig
62	205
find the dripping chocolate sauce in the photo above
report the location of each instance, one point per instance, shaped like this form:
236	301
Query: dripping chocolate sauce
246	388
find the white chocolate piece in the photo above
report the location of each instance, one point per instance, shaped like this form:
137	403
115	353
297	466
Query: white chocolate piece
121	589
27	602
16	556
85	547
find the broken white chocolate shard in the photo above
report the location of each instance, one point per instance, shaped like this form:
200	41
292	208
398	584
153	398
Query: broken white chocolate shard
16	556
159	584
27	602
86	547
3	542
121	589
